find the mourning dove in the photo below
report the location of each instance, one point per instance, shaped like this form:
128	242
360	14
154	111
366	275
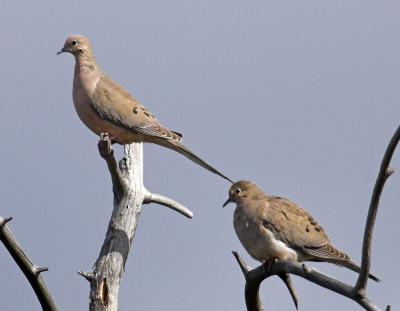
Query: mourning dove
272	228
105	107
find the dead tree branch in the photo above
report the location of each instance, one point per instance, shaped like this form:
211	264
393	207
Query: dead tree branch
129	195
31	272
384	173
358	292
255	276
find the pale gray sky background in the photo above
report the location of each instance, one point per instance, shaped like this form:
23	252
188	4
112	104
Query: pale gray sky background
299	96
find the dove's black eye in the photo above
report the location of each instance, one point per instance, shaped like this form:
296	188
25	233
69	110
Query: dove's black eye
74	42
238	190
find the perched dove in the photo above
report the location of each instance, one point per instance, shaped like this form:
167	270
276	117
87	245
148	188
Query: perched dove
272	228
105	107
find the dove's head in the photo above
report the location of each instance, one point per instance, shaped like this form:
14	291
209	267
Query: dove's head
242	190
76	45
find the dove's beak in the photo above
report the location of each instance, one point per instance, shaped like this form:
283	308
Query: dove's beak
227	202
61	51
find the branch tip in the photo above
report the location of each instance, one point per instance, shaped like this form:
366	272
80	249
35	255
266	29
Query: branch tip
285	277
40	270
89	276
4	221
243	266
162	200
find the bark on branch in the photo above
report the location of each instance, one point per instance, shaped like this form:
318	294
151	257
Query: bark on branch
358	292
31	272
129	195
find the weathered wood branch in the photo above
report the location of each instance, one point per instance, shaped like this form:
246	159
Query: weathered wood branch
31	272
129	195
358	293
162	200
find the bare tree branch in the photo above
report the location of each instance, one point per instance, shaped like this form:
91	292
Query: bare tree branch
252	287
254	277
384	173
129	195
159	199
31	272
253	301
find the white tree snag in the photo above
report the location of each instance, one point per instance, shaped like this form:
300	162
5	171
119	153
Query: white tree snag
31	272
358	292
129	195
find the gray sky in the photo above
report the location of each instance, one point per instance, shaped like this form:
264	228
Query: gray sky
299	96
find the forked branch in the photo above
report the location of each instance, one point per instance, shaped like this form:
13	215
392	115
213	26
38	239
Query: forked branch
358	293
129	195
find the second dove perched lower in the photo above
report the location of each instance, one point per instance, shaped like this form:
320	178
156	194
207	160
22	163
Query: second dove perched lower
275	228
105	107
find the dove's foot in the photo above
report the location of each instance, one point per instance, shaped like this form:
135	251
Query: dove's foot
268	263
104	145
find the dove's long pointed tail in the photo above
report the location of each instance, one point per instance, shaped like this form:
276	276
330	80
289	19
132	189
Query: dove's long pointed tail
177	146
352	266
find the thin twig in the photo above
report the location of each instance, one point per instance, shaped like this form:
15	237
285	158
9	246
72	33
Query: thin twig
31	272
243	266
87	275
285	277
384	173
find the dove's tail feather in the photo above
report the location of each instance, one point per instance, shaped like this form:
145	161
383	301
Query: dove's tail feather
177	146
330	253
352	266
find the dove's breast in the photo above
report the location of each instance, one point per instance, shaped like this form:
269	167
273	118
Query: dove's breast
258	241
82	85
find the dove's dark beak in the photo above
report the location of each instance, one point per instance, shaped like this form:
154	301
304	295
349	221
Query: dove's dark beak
61	51
227	202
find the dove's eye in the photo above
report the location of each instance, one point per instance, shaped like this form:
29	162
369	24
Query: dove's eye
74	42
238	190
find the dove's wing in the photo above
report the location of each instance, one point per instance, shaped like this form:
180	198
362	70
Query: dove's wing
114	104
298	229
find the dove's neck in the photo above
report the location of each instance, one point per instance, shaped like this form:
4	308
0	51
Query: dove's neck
86	73
85	61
